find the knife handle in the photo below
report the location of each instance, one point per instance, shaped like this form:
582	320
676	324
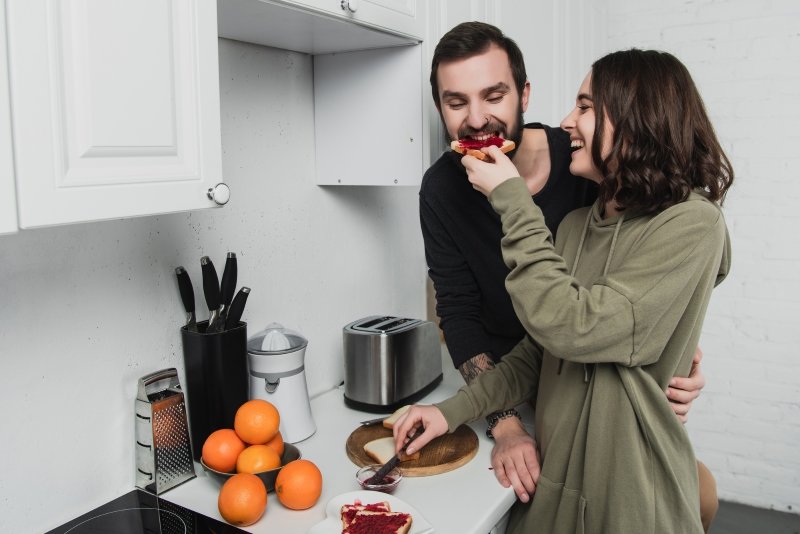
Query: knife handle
228	284
210	283
187	296
237	308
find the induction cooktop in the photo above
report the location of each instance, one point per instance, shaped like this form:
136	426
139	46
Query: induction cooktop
139	512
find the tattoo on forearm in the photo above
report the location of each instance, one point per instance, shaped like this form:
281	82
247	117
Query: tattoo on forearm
475	366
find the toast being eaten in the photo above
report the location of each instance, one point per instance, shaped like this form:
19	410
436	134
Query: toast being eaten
471	147
382	449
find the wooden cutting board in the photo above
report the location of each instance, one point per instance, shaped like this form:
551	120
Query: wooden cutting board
443	454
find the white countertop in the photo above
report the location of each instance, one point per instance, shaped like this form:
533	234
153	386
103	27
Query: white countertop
466	500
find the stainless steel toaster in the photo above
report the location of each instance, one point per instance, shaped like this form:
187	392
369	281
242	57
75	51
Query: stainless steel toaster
389	362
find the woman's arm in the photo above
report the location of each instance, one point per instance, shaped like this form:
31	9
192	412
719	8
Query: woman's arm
611	320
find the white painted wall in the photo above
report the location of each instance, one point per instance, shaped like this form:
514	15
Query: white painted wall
745	58
89	308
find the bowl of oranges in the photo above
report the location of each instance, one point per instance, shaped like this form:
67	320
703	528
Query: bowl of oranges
268	476
254	446
251	459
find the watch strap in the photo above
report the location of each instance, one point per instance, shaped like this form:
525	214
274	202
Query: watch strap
496	417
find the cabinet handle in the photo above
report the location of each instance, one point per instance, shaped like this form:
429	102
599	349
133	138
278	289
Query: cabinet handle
220	193
350	5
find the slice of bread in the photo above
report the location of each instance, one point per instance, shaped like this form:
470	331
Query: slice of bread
348	511
390	421
382	449
366	522
456	147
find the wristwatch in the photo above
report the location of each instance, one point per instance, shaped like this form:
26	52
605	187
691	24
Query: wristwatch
496	417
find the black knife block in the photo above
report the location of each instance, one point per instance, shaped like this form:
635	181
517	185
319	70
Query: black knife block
217	379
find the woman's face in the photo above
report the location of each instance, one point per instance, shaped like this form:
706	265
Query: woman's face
580	125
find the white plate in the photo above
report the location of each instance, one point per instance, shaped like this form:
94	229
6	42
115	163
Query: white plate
333	523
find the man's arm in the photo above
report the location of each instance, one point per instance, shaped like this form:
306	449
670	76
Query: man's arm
683	391
515	458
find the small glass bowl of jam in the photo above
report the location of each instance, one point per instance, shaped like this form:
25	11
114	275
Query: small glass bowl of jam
387	485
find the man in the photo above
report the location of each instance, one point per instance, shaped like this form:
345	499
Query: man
480	89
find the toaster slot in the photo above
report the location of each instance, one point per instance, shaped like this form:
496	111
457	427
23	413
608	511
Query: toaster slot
396	324
370	323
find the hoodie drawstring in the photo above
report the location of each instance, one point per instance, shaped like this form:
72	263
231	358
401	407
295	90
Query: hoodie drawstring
617	228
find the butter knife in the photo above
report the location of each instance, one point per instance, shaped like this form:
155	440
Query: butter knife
370	422
378	477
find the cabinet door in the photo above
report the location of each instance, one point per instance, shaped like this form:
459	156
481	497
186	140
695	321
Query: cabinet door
8	197
115	107
368	117
398	16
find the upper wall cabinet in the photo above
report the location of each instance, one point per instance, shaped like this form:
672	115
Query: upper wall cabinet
115	108
368	117
8	206
322	26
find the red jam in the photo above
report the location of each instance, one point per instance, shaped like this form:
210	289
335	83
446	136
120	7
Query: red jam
386	485
348	514
372	524
474	144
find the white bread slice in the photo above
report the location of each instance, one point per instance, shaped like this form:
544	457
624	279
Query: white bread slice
456	147
379	523
390	421
382	449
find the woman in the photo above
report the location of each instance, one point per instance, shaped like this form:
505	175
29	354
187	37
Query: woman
613	309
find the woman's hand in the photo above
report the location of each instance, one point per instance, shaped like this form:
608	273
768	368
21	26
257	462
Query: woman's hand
429	417
486	175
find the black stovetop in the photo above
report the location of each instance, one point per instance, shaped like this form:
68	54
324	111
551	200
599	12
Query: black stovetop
139	512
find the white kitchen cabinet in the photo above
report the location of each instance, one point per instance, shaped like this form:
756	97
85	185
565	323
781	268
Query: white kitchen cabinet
8	200
322	26
115	107
368	117
369	81
396	16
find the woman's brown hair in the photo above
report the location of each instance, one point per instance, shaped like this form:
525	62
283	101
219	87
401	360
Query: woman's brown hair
663	145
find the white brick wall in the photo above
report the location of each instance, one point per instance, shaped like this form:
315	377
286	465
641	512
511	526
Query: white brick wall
745	58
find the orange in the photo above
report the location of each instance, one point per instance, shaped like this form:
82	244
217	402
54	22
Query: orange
256	421
277	444
299	484
257	459
242	499
221	449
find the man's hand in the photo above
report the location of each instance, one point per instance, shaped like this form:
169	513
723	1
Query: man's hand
682	391
515	458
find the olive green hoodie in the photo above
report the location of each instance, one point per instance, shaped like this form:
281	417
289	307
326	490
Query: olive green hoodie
614	310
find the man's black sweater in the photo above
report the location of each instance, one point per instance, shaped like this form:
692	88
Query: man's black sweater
462	236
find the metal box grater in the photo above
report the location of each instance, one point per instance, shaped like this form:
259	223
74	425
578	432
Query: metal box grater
163	449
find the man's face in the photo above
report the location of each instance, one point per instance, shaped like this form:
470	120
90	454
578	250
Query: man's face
478	97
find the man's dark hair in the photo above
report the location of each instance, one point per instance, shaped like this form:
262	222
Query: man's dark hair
663	144
470	39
